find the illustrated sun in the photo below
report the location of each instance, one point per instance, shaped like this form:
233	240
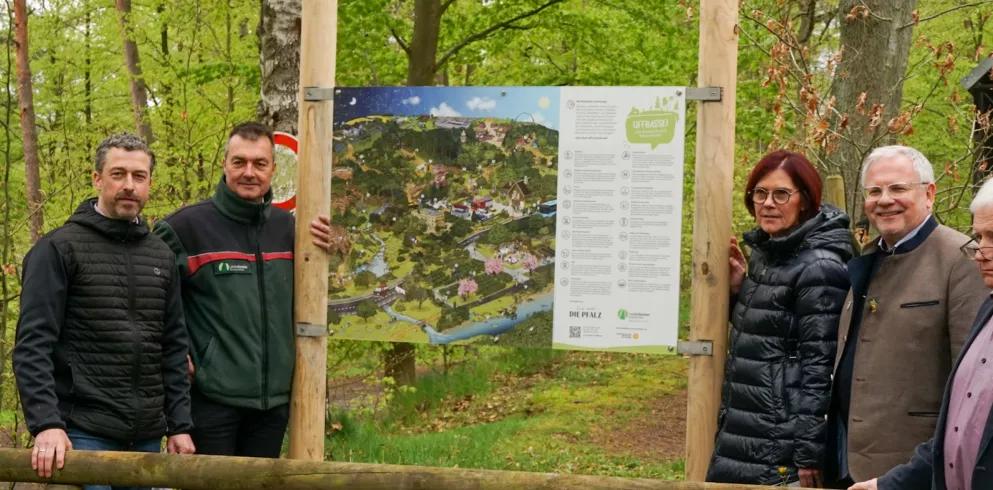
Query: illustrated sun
544	102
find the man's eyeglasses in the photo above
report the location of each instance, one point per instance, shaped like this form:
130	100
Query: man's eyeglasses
779	196
896	190
972	247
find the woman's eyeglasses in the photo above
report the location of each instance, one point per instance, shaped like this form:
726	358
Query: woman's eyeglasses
779	196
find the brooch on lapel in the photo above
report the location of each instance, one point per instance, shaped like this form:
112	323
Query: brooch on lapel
872	306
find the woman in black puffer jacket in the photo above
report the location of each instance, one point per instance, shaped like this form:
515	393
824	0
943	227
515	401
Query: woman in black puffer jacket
784	329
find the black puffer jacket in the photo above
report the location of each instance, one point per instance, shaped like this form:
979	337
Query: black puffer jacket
784	333
101	344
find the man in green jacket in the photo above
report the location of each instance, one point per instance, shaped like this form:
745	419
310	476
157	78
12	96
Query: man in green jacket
235	256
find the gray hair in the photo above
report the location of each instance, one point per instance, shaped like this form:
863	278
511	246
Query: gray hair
983	198
123	141
921	164
250	131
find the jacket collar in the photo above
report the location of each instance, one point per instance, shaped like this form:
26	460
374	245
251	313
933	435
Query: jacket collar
239	209
929	225
115	229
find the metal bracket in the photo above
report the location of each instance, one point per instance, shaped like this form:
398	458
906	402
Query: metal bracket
310	330
317	94
705	94
695	347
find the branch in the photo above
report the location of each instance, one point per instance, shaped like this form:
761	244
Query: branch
939	14
486	32
444	7
400	41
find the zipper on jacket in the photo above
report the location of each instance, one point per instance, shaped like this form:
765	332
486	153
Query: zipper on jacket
265	321
136	368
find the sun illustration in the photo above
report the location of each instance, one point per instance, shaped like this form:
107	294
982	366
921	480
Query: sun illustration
635	336
544	102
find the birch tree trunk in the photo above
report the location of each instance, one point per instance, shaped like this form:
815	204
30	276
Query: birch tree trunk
279	53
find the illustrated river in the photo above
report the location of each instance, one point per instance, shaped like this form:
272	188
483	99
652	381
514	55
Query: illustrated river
491	327
378	264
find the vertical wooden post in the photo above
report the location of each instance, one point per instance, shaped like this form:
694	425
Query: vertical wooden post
834	191
317	64
711	228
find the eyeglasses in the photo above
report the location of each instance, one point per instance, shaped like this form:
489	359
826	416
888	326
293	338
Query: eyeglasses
896	190
972	247
779	196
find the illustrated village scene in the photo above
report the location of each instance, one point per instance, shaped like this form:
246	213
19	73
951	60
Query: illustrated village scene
444	206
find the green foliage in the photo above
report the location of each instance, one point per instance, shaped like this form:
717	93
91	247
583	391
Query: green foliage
498	234
536	333
365	279
366	309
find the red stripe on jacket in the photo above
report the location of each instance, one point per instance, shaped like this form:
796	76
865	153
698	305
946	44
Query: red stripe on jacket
195	262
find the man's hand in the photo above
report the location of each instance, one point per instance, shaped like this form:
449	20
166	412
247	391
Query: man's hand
864	485
810	478
49	445
320	228
190	370
180	444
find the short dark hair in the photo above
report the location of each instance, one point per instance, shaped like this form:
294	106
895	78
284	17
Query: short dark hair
250	131
124	141
800	170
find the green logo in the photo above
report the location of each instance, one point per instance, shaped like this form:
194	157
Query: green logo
622	314
656	125
224	267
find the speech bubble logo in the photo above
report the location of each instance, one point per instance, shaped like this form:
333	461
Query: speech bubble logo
654	126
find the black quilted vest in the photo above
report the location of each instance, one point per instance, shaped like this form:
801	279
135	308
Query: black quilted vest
108	360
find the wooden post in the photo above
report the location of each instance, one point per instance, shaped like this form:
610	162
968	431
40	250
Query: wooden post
317	65
197	472
711	229
834	191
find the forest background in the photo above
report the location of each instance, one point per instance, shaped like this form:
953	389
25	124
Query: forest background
830	78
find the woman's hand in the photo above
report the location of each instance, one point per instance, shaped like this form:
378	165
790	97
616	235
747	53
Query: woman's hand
810	478
737	261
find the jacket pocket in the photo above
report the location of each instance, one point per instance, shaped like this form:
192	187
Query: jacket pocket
208	353
932	415
918	304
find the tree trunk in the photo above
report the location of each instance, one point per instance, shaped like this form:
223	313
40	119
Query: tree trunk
424	43
139	97
4	284
87	62
28	131
875	61
400	363
279	56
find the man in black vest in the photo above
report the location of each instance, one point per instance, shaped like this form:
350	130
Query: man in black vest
235	257
100	355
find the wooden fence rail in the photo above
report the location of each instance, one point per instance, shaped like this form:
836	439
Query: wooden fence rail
195	472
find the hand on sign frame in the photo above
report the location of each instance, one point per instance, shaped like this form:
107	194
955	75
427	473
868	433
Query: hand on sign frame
737	263
320	229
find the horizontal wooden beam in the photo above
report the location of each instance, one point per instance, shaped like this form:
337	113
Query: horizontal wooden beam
196	472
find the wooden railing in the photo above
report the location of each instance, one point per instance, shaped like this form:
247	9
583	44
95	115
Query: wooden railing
194	472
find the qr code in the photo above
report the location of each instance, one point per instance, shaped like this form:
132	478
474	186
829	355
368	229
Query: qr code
575	332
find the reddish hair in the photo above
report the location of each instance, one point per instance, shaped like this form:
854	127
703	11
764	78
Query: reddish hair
801	171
